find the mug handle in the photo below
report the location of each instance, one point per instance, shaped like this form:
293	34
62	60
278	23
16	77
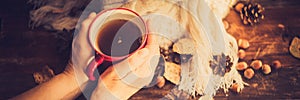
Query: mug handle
93	66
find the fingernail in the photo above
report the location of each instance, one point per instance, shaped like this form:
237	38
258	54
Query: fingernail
143	52
92	15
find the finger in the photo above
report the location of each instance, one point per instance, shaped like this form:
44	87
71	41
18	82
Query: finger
140	65
131	63
153	57
147	68
152	42
153	46
142	74
139	62
138	69
82	37
138	58
81	48
85	24
144	61
92	15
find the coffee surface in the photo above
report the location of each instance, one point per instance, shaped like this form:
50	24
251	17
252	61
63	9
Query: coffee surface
119	38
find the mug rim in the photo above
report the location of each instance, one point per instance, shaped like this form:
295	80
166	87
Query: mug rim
113	58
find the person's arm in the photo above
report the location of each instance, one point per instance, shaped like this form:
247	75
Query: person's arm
67	85
62	86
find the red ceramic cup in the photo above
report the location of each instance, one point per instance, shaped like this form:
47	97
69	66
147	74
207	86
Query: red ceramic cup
97	25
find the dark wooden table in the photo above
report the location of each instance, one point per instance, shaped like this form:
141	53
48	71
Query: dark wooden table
24	51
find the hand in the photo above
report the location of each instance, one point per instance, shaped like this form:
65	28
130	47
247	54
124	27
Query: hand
122	80
82	52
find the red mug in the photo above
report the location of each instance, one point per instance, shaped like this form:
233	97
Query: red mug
115	34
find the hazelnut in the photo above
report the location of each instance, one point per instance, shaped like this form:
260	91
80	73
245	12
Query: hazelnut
256	64
241	66
236	88
241	54
266	69
276	64
249	73
242	43
160	81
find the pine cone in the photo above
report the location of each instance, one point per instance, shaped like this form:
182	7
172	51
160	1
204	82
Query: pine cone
251	13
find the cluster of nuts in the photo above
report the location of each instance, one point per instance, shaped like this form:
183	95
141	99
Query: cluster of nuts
255	64
248	70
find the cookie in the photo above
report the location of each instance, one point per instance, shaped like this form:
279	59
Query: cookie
184	46
172	72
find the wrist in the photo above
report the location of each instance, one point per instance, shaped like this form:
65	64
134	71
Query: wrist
113	91
77	76
103	93
112	87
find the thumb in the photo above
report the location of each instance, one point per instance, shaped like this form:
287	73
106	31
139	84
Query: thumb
85	24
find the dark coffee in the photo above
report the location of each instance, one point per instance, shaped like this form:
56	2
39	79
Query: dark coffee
119	38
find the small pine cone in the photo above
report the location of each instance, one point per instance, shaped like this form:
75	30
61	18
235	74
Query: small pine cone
251	13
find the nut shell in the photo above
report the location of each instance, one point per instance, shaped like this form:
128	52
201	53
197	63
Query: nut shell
249	73
241	54
266	69
236	88
276	64
241	66
256	64
242	43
